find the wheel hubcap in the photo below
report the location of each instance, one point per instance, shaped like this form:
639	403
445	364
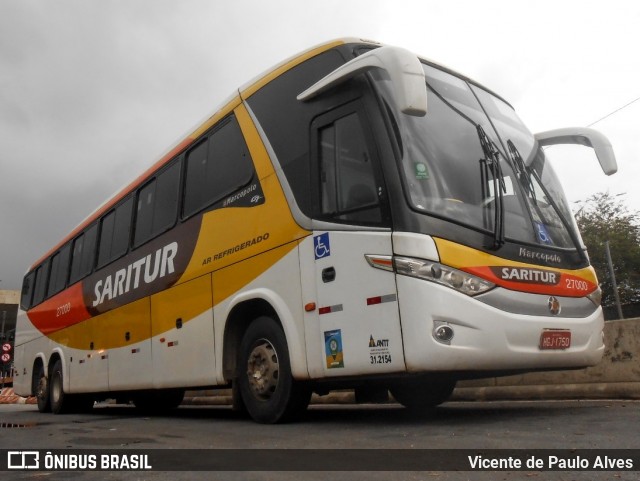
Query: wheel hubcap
263	370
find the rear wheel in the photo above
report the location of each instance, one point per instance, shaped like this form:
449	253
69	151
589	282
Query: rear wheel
64	403
42	391
268	390
422	394
60	401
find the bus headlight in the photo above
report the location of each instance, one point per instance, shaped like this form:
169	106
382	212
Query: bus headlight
596	296
441	274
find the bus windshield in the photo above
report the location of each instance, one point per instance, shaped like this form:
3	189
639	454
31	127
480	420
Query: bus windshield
471	155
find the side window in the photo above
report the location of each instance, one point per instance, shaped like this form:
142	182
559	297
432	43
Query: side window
348	189
42	273
27	291
59	271
229	156
157	205
114	234
83	254
195	182
216	167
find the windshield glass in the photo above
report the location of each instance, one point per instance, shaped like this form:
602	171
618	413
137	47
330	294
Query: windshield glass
449	174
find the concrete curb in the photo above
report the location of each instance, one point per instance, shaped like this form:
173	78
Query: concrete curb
612	390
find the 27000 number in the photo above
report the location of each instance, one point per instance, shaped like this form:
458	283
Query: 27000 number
577	285
63	309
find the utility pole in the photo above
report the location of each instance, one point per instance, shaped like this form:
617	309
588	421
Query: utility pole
616	296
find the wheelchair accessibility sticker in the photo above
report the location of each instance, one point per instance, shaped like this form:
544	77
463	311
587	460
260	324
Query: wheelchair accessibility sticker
543	234
321	245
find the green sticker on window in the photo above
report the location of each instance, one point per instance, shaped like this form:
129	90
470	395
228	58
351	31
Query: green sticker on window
422	173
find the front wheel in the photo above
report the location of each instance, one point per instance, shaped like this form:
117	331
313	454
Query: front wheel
268	390
422	394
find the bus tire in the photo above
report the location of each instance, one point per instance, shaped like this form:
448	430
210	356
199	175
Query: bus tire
422	394
268	390
42	391
60	401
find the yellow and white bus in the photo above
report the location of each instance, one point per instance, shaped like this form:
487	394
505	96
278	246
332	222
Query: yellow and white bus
357	217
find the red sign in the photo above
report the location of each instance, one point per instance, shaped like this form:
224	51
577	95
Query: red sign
6	347
6	357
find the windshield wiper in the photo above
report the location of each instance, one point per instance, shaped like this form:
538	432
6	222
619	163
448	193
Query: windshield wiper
524	177
491	163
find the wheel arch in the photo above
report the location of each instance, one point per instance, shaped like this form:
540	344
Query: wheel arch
246	308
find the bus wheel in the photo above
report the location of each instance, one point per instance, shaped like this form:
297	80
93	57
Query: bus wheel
60	402
42	392
269	392
423	394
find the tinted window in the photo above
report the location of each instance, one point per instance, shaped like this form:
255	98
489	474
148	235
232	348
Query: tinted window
286	120
83	254
27	291
59	270
195	183
42	273
229	156
157	205
216	167
348	189
114	233
144	216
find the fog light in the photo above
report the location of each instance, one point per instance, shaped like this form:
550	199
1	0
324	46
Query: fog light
443	334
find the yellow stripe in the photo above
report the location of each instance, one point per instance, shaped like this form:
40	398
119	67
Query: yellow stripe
461	257
215	118
279	70
184	302
108	330
227	282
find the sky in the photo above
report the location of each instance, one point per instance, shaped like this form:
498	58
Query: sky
92	92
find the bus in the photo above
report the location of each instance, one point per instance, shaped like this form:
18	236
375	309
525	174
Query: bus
357	217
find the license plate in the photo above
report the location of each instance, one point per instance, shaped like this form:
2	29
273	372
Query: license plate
555	339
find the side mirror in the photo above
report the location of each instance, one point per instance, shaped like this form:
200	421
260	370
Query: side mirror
404	70
583	136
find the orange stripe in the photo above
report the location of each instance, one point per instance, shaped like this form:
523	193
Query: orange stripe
60	311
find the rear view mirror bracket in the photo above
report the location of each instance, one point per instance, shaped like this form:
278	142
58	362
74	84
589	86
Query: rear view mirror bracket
403	68
583	136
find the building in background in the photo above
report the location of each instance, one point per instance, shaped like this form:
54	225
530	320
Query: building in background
8	311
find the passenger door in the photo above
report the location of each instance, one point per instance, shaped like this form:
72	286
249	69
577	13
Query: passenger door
357	324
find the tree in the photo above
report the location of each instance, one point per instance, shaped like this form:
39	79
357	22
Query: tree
603	217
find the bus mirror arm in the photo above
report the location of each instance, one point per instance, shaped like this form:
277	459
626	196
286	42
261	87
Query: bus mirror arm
582	136
403	68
